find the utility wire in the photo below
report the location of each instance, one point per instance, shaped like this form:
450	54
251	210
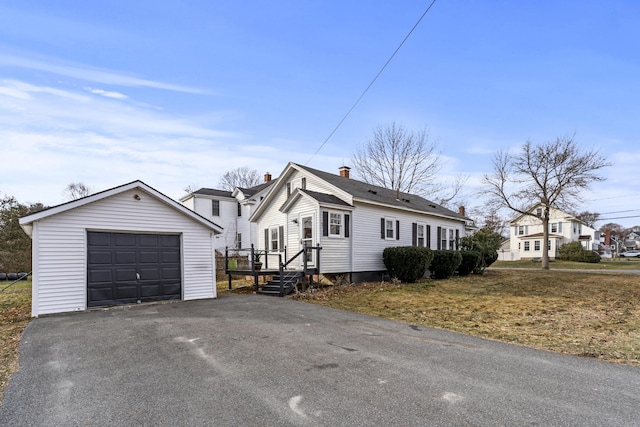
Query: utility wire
371	84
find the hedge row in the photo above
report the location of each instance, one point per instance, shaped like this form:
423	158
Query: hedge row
407	263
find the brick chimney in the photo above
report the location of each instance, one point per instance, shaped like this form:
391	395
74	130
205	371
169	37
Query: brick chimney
267	177
607	237
344	171
462	211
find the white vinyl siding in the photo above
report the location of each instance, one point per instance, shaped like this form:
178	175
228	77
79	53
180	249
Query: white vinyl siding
366	241
60	240
227	219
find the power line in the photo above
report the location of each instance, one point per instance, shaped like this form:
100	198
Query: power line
619	217
609	213
371	84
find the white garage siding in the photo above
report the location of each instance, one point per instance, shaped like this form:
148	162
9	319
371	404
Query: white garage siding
60	261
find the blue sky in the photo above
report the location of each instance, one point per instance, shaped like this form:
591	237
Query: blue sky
177	93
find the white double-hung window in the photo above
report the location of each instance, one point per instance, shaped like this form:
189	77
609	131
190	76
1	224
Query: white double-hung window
335	224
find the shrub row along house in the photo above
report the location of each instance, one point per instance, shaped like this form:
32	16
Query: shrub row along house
351	220
526	235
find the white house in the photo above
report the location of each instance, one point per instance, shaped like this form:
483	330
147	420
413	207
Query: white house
526	234
125	245
231	210
352	221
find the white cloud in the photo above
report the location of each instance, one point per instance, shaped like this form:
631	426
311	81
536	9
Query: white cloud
83	72
107	94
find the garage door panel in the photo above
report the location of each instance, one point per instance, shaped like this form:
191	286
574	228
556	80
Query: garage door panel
123	239
170	273
126	291
148	240
125	257
149	273
99	239
101	295
170	241
170	257
127	268
148	257
172	289
100	276
125	274
100	257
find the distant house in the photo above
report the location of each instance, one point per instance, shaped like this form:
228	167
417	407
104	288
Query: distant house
352	221
526	234
632	240
231	210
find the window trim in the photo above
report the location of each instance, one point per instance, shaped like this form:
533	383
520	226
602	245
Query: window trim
527	246
340	217
387	220
215	206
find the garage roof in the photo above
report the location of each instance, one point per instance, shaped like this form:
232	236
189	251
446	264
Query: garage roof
26	221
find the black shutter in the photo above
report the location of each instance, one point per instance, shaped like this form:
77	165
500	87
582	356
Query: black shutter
397	230
325	223
439	246
281	238
267	246
414	234
346	225
382	236
428	236
457	239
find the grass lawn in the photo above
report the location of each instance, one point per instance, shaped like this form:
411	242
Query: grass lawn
605	264
15	313
584	314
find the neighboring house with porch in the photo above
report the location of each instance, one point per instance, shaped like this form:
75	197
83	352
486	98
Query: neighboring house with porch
353	222
231	210
526	234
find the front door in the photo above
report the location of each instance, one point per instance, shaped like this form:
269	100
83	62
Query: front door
306	239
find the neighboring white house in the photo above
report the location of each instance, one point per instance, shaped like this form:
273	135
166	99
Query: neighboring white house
352	221
125	245
526	234
231	210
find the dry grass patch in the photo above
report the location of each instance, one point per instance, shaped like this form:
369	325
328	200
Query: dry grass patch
15	314
595	315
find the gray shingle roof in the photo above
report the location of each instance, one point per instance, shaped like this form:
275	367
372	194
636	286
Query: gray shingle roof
258	188
373	193
213	192
325	198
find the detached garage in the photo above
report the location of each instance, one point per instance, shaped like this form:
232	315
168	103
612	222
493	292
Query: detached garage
126	245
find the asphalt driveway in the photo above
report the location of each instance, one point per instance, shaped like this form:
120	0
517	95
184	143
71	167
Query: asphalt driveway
260	361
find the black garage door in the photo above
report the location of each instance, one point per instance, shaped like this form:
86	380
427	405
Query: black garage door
129	268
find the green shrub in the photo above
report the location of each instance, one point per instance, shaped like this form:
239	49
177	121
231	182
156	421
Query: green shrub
574	251
469	263
445	263
407	263
485	241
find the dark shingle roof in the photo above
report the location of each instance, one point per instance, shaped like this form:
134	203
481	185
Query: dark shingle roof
325	198
373	193
213	192
258	188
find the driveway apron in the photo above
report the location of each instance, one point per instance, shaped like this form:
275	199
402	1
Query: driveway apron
259	361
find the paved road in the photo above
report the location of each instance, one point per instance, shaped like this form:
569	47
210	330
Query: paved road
248	360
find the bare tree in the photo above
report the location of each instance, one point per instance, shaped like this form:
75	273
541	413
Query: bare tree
76	190
550	175
242	177
402	160
589	218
